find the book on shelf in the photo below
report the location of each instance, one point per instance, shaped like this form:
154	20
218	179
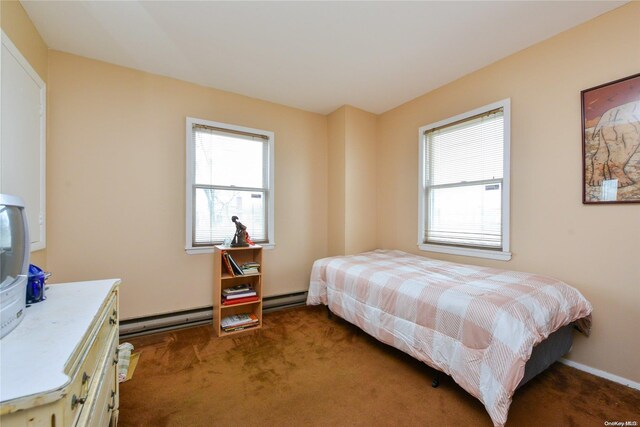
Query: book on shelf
227	264
251	293
250	264
249	268
242	289
236	320
239	328
236	289
234	265
226	301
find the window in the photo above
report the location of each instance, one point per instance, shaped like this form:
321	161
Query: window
229	172
464	184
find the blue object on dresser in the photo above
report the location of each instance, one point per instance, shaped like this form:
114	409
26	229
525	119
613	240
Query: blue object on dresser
35	286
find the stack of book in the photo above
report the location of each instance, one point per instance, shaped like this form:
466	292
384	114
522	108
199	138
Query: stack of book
234	269
239	294
238	322
249	268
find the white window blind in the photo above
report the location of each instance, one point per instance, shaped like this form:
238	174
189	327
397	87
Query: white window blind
464	182
230	175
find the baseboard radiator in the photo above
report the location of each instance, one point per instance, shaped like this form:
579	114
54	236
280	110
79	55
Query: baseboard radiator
280	302
199	316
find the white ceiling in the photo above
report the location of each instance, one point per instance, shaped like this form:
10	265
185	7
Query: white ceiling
316	56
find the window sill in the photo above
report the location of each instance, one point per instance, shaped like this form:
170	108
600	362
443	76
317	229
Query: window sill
209	249
478	253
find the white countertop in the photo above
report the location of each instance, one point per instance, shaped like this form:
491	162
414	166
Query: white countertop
33	356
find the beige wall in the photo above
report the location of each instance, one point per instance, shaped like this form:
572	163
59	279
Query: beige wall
116	199
594	248
23	34
352	174
360	177
18	26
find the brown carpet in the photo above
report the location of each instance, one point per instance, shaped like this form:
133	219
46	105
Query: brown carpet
303	369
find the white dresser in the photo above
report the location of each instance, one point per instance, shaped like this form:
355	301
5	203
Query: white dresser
59	366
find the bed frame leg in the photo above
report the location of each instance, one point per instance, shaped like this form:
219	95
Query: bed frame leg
329	313
436	381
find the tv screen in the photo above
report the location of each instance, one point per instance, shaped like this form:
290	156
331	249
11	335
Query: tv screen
14	261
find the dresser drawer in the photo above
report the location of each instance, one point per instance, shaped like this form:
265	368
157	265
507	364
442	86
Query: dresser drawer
101	349
105	401
102	394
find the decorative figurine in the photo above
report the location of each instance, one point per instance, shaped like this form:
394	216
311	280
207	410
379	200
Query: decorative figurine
240	238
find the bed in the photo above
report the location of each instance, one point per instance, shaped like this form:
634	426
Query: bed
478	325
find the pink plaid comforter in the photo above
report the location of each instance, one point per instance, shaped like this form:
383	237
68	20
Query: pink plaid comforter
476	324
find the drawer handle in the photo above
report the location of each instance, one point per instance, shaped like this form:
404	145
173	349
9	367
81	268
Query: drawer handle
85	378
112	405
117	356
112	321
75	400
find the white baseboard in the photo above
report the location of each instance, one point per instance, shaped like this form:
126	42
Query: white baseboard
603	374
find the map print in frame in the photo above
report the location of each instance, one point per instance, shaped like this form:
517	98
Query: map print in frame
610	140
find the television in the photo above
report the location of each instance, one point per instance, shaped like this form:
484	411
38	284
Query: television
14	262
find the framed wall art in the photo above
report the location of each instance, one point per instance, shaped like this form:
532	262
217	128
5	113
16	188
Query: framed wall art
610	140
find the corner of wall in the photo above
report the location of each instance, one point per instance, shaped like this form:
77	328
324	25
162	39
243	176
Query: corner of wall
336	177
352	142
17	25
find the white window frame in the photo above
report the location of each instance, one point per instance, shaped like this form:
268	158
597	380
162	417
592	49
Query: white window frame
504	254
189	247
